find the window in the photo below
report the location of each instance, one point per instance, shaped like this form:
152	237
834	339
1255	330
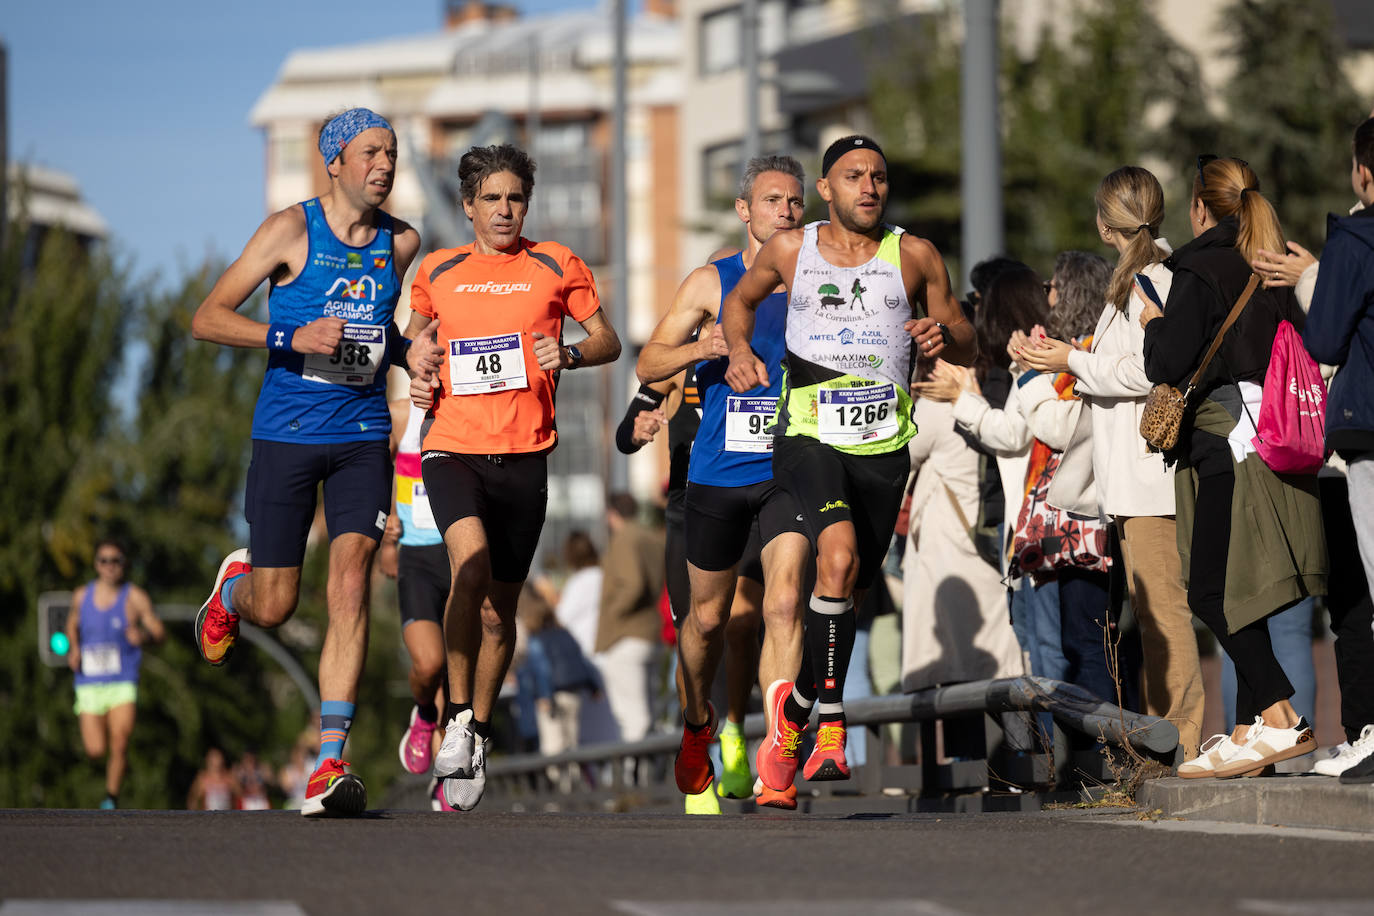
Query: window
288	154
721	40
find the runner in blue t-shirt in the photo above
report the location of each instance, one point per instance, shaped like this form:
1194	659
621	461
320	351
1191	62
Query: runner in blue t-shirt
730	477
110	621
335	266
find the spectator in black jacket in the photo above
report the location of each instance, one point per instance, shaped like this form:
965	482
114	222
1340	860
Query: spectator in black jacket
1237	574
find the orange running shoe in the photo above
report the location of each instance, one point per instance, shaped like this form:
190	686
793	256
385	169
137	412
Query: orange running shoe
692	767
217	627
827	759
776	759
334	792
765	797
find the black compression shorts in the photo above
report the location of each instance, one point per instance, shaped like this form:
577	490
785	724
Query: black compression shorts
508	494
422	582
832	486
719	520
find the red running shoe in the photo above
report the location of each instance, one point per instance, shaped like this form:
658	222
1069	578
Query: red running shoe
217	628
692	766
334	792
776	759
827	759
765	797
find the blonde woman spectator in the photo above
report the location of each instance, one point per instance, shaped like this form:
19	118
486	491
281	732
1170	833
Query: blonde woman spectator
1133	485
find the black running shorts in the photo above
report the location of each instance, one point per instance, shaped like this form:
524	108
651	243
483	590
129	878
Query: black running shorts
719	520
422	582
832	486
506	493
283	478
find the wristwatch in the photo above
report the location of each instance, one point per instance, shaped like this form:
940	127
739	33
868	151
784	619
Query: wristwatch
575	355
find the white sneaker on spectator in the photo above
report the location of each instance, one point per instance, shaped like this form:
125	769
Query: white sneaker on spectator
1266	745
1346	755
1214	753
455	754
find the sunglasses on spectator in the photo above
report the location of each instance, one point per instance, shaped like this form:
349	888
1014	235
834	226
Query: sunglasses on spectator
1207	158
1048	285
109	560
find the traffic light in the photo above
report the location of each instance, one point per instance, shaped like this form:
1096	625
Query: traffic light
53	644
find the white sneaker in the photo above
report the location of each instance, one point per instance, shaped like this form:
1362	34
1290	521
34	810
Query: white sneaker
1266	745
1346	755
1214	753
456	753
464	794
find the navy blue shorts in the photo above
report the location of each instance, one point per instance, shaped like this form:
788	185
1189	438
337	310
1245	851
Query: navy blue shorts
283	480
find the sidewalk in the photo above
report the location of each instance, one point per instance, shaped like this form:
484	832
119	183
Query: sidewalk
1286	800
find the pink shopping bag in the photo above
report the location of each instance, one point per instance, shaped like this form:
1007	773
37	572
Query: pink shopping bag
1292	417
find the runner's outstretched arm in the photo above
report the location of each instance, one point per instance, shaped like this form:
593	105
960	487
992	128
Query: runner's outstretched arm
670	348
601	346
217	320
956	342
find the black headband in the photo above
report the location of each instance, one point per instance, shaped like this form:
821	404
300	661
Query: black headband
844	145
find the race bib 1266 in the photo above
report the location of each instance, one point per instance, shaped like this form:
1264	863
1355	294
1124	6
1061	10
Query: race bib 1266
857	416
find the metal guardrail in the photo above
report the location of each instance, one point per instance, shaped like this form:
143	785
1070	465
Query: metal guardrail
1073	708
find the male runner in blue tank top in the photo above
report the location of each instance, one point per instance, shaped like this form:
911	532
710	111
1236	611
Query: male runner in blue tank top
335	266
844	417
730	476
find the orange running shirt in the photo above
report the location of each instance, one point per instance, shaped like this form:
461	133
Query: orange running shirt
494	399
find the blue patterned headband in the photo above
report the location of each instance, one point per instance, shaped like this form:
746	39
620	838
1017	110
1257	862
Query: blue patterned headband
342	129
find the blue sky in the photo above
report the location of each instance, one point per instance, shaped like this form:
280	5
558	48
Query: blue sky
146	104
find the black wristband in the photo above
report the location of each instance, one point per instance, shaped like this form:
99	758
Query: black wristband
646	398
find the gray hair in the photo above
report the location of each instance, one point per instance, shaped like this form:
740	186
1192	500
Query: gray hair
760	164
1082	279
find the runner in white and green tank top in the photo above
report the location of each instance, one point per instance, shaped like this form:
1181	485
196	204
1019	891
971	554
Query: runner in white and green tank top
848	351
861	295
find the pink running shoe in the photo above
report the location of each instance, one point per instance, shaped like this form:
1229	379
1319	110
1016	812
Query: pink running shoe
417	744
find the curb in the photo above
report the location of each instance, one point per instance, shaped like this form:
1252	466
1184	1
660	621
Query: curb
1299	800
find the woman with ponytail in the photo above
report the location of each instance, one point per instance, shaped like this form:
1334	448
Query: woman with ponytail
1134	487
1251	542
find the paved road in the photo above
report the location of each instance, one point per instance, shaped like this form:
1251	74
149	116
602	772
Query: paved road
667	865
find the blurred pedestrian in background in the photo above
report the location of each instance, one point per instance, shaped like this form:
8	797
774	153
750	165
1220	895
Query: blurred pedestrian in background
110	621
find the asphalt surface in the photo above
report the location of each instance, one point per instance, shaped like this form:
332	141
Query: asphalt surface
1073	861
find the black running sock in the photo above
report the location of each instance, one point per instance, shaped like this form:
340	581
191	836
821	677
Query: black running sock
695	728
830	628
452	709
481	729
428	712
797	707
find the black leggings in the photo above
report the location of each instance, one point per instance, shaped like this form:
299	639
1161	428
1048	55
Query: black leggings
1260	681
1352	612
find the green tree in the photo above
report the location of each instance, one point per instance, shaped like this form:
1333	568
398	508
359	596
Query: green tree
1291	111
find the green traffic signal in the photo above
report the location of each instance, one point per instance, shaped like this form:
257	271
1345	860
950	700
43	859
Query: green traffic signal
59	643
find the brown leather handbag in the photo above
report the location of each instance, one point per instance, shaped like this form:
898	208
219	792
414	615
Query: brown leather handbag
1163	414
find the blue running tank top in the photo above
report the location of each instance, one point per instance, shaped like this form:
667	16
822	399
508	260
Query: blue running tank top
338	397
734	446
107	656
